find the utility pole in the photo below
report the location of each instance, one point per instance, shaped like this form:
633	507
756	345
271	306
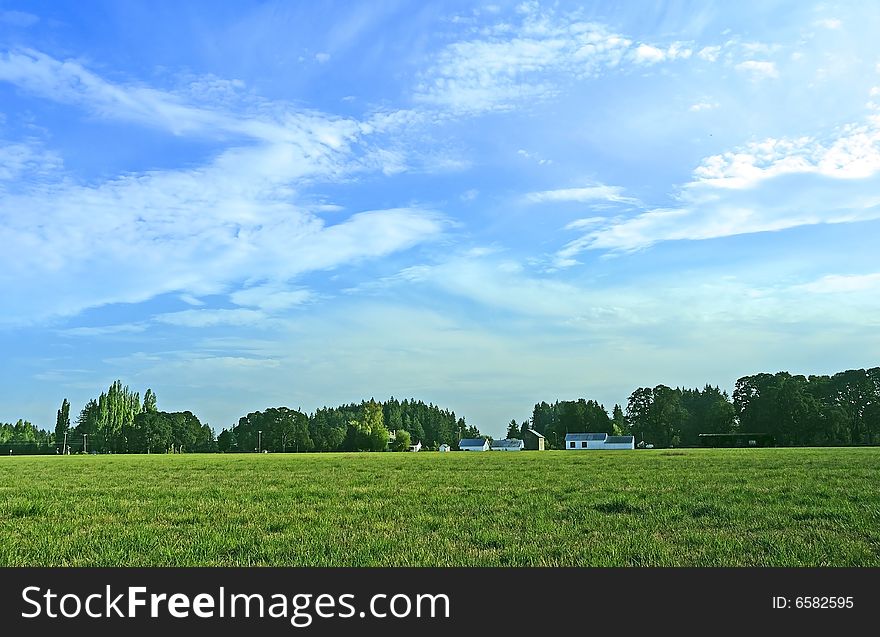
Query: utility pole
259	441
84	443
64	448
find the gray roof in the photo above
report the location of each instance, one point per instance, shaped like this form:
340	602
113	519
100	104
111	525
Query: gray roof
619	439
471	442
569	437
532	431
507	442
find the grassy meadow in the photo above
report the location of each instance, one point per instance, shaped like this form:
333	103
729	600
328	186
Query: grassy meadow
724	507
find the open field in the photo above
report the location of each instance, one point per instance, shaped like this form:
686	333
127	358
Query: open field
780	507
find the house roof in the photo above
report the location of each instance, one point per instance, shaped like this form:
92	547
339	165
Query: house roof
619	439
471	442
532	431
507	442
569	437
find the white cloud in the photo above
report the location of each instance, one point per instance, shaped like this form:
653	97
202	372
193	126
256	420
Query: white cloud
105	330
587	222
647	54
642	306
758	70
189	299
322	57
709	53
17	159
703	106
765	186
678	51
511	64
829	23
69	82
193	231
504	284
212	318
582	195
853	154
270	297
534	157
843	283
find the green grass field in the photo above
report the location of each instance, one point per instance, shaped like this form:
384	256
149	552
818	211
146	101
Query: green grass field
774	507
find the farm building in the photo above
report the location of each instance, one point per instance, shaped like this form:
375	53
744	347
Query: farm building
533	440
585	441
598	441
620	442
508	444
416	447
445	447
473	444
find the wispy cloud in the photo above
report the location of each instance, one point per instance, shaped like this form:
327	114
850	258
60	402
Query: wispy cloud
765	186
69	82
709	53
541	161
212	318
506	65
18	18
588	194
830	23
843	283
758	69
27	158
192	231
105	330
271	297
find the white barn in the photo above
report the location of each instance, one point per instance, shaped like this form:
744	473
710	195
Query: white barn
508	444
620	442
445	447
473	444
583	441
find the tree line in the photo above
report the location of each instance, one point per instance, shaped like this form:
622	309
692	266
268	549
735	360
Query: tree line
368	426
118	421
796	410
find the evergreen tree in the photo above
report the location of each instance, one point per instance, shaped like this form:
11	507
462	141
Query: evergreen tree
62	423
619	426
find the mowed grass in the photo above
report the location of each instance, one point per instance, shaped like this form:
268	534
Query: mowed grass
750	507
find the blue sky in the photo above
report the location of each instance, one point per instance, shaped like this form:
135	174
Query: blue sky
244	205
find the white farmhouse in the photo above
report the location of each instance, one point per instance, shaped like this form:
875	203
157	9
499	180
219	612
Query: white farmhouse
473	444
598	441
416	447
444	447
508	444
